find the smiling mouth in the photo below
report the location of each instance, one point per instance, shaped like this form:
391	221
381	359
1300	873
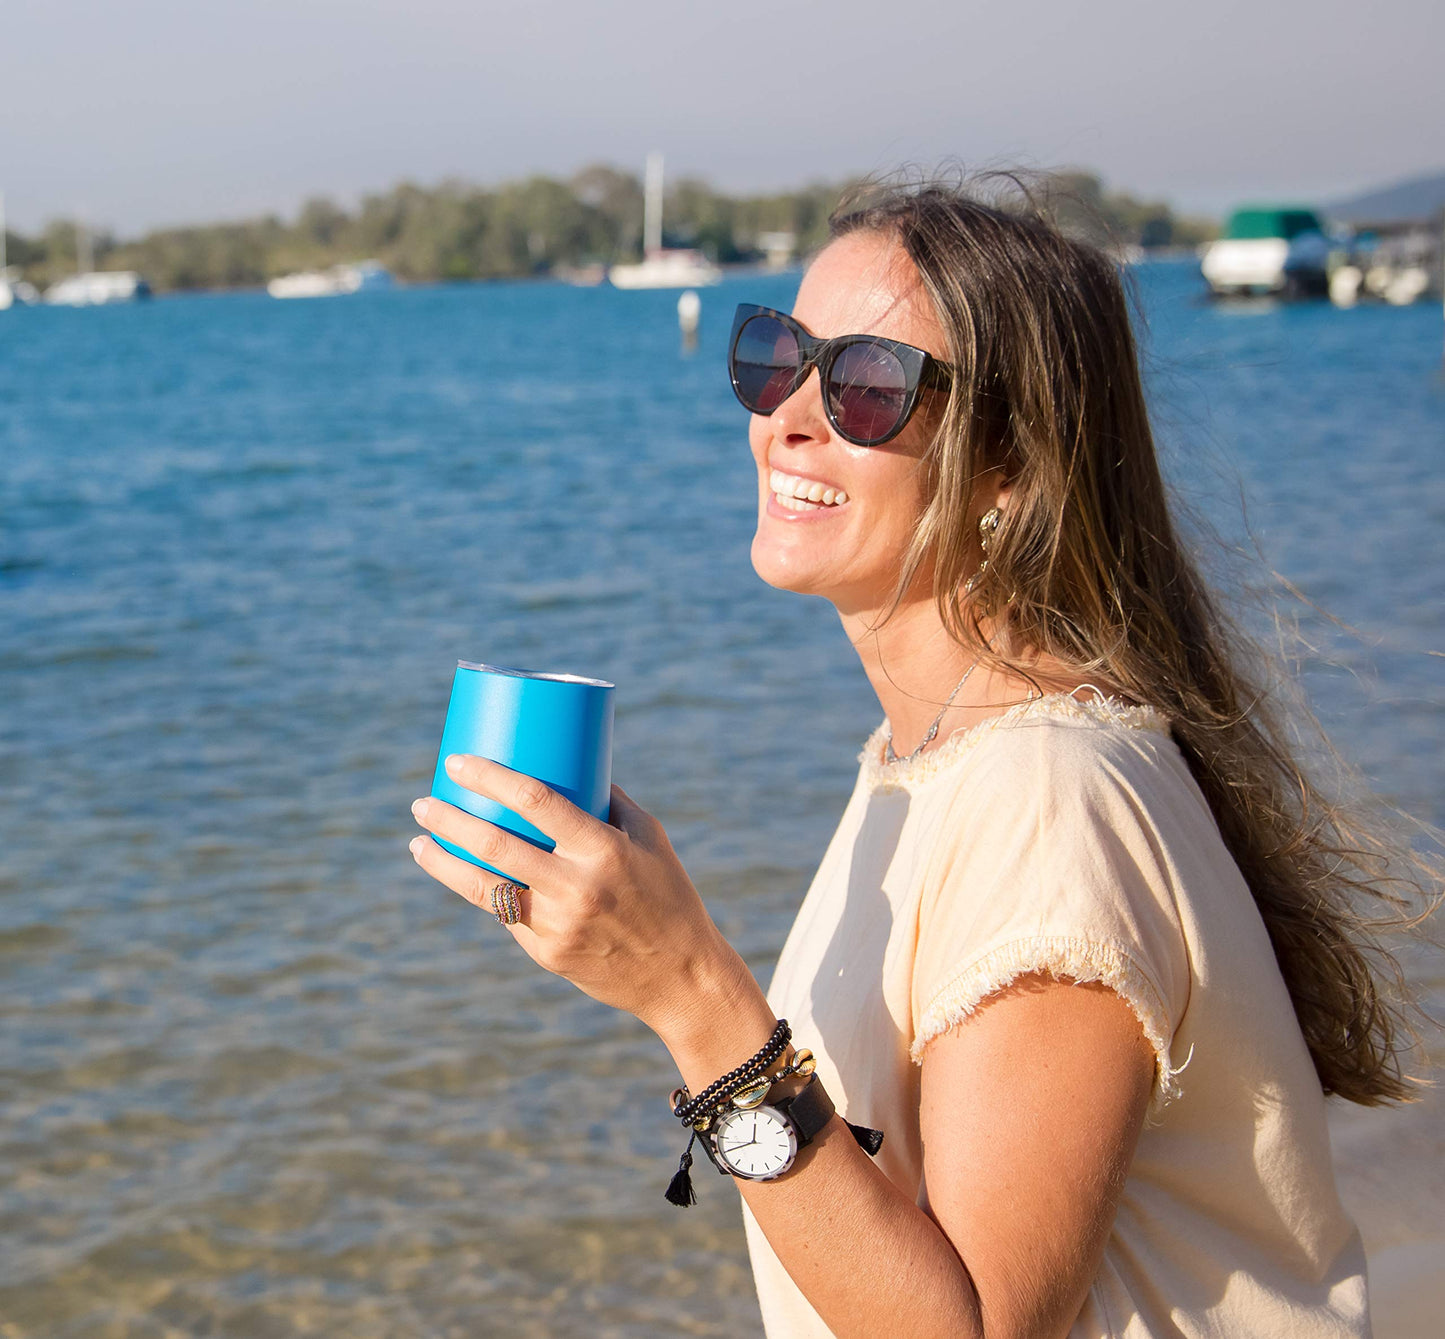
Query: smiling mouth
798	494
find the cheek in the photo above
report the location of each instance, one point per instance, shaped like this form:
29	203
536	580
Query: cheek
758	439
894	494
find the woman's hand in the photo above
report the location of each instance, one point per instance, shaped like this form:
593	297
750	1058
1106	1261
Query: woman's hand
611	908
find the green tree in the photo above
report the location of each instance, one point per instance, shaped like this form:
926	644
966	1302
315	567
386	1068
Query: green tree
456	230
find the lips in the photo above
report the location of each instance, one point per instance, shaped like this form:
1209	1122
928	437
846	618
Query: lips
795	493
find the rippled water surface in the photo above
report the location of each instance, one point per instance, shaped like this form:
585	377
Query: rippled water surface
258	1076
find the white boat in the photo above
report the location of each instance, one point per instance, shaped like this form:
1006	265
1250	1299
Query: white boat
353	277
306	284
1269	249
662	266
97	288
14	291
667	267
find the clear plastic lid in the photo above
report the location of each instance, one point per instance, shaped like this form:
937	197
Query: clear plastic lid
534	674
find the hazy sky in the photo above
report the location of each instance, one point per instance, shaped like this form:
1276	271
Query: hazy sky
149	111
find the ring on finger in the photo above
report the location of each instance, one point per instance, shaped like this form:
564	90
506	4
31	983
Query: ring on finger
505	906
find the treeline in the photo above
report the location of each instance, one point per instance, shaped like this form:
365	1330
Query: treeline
462	231
1116	219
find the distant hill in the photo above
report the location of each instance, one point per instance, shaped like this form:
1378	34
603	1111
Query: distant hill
1417	198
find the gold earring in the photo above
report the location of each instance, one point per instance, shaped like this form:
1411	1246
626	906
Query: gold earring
987	527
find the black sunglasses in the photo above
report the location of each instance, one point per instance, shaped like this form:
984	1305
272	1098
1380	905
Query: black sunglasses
870	384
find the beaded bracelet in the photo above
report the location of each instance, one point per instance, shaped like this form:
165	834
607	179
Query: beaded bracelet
690	1110
750	1092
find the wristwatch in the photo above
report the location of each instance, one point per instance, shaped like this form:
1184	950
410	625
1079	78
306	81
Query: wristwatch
760	1143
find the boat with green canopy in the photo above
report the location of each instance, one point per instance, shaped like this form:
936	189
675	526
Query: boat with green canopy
1269	249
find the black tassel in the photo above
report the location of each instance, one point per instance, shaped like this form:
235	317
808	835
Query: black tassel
870	1141
679	1189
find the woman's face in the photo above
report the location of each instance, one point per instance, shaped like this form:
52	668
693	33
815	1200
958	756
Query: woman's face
848	550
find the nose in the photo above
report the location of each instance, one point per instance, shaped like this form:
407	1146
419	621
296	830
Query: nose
801	417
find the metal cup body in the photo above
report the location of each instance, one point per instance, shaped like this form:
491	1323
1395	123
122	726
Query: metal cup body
555	727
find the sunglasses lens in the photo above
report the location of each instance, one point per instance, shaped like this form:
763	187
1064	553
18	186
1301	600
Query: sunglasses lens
765	364
868	392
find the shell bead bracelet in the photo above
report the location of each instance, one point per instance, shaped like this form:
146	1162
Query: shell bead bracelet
698	1111
754	1094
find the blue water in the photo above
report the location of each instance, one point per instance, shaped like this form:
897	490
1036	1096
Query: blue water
259	1076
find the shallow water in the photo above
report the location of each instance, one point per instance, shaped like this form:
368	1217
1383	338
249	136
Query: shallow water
258	1075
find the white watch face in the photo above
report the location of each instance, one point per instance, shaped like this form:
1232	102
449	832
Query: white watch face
757	1145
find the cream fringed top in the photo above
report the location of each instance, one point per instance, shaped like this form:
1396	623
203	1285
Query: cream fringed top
1069	838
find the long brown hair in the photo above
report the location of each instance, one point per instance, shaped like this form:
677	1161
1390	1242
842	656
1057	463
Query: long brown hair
1087	568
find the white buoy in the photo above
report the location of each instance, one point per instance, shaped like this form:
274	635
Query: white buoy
689	312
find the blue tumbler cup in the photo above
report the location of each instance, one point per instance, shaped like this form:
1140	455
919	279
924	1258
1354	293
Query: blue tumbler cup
555	727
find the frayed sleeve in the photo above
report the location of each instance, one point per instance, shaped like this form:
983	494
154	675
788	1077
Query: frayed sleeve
1056	861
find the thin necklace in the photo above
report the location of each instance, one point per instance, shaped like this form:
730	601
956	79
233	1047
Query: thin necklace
890	757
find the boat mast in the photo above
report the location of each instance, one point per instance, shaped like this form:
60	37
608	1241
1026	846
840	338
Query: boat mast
652	206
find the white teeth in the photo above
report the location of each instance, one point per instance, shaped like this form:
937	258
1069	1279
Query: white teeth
808	493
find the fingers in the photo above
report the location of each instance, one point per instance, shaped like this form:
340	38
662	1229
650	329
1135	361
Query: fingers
490	844
631	818
624	809
462	877
545	809
472	883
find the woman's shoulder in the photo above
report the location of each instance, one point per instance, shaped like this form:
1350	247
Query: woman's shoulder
1050	837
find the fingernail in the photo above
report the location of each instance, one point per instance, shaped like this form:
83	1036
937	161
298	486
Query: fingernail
418	807
415	844
454	764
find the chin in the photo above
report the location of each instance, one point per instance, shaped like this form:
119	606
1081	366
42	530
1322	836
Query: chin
781	570
784	567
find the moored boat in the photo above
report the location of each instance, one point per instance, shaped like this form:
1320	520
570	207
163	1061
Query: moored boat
667	267
15	291
97	288
1269	249
662	266
352	277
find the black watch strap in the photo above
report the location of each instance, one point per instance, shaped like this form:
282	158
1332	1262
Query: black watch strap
809	1111
812	1109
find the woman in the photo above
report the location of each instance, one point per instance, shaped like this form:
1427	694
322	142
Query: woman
1081	947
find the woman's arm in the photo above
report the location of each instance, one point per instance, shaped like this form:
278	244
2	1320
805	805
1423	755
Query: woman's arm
1031	1111
1031	1108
